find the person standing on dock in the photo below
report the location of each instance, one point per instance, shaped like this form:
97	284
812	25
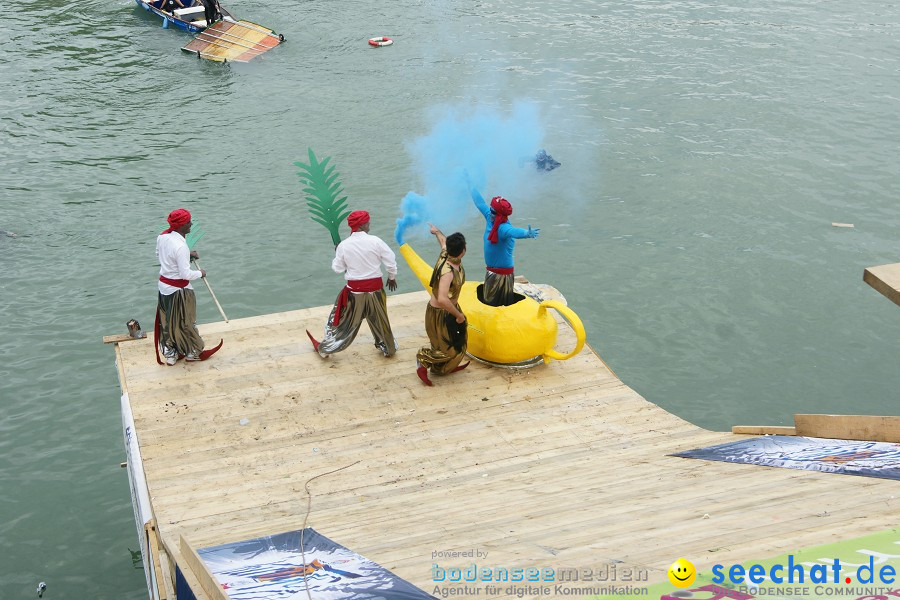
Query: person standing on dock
445	323
499	242
359	258
175	331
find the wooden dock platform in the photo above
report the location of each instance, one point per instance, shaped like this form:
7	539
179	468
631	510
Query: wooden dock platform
885	279
562	465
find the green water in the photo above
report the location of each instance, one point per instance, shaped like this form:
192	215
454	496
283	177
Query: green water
706	151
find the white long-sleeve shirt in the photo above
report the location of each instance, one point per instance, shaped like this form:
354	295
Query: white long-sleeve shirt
360	257
174	261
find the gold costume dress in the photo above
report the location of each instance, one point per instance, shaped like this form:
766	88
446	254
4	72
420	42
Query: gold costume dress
448	339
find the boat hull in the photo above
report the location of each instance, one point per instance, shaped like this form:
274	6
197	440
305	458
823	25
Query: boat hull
171	20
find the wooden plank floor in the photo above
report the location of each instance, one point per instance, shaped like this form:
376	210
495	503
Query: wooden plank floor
558	466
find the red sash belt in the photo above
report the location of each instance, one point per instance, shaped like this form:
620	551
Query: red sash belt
179	283
354	285
501	270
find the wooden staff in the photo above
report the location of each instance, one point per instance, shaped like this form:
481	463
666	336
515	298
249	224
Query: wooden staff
211	293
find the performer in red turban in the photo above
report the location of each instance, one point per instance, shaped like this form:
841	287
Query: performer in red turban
176	312
357	219
499	243
359	258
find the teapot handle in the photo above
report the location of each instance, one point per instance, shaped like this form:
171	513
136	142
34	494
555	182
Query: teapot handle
574	322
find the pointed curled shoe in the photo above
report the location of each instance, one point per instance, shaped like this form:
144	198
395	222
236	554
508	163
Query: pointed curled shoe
460	367
210	351
422	372
315	342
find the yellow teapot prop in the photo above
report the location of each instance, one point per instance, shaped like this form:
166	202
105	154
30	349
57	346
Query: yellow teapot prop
519	335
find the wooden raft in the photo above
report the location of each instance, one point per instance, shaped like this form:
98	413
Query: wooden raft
233	41
562	465
885	279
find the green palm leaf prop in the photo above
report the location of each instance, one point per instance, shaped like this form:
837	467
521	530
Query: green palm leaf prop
323	191
194	236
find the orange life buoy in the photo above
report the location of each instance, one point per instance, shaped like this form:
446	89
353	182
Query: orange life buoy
381	41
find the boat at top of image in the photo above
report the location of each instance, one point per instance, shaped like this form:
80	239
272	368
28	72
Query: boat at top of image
191	18
224	40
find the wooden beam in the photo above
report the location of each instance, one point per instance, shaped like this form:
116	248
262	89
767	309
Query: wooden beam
121	337
886	280
177	561
168	564
763	430
207	580
849	427
153	545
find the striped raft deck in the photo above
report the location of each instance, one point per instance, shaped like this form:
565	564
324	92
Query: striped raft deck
233	41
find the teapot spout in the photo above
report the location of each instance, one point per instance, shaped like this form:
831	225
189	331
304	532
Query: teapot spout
420	268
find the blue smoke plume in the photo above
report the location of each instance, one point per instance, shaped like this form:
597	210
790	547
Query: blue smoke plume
470	146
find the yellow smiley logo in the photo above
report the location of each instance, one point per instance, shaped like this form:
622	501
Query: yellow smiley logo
682	573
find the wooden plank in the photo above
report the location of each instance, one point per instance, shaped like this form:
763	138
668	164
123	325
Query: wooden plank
408	477
177	560
507	498
121	337
763	430
153	544
886	280
168	568
207	580
232	41
849	427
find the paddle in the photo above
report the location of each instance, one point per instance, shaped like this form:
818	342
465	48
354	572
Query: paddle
192	238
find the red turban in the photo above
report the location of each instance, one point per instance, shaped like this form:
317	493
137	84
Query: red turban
357	219
502	209
178	218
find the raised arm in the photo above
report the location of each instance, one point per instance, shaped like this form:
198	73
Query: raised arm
507	230
441	238
480	204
